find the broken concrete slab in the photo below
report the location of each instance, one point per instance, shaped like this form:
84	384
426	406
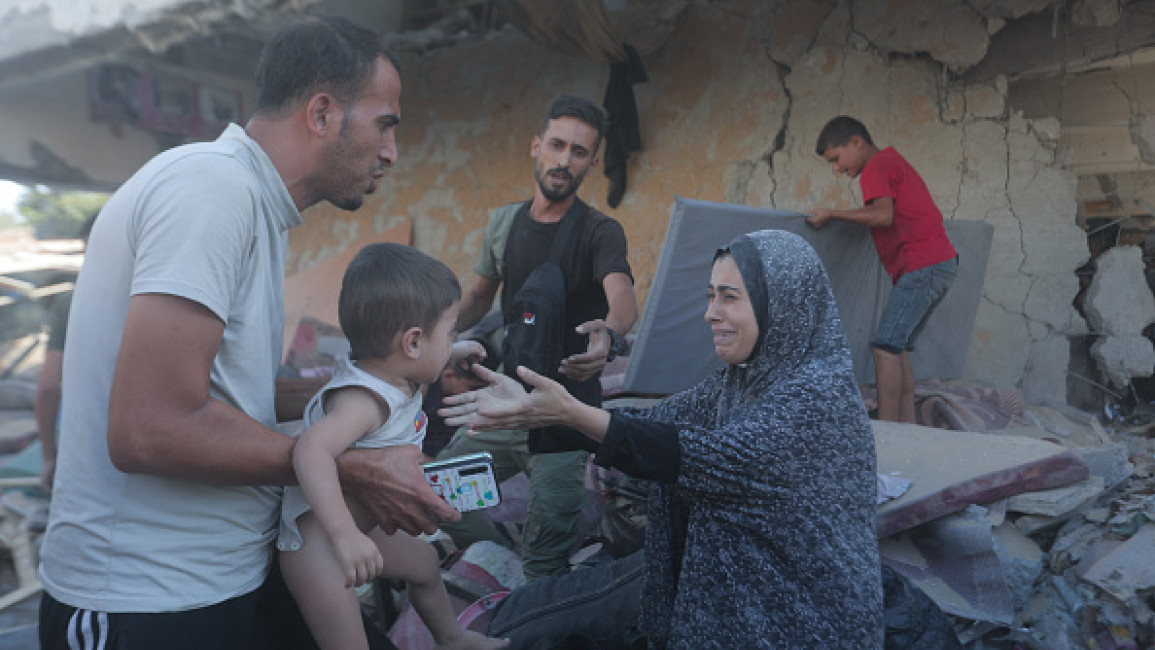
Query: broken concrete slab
1022	561
1124	357
1110	462
952	469
953	560
1128	568
1119	302
1073	428
1056	501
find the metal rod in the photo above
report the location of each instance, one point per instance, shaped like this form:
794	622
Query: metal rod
1095	384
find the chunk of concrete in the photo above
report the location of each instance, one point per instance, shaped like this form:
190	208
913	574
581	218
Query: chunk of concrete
985	101
952	469
1056	501
1022	561
1119	302
1110	462
1124	357
1128	568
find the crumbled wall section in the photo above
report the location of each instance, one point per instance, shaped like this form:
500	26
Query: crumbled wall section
736	99
979	162
1119	307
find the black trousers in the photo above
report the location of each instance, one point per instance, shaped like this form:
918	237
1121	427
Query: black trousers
266	619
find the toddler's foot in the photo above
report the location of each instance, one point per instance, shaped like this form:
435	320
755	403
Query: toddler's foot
469	640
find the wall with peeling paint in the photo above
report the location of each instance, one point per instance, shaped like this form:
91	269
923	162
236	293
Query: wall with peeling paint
735	102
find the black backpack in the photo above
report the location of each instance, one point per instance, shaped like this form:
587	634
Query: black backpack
535	331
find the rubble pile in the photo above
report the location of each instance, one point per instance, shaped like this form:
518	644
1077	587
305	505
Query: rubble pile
1065	567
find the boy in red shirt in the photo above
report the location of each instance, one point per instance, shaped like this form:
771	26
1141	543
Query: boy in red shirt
908	233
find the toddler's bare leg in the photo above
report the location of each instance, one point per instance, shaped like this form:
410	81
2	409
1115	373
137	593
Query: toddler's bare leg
317	582
414	561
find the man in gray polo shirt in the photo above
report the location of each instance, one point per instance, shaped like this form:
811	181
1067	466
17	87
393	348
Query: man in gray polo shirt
162	515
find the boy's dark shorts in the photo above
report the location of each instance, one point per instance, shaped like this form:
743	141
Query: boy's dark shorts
912	301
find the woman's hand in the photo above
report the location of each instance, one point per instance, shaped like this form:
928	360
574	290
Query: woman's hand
504	404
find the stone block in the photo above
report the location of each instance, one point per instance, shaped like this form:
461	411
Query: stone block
954	106
1119	302
985	102
1124	357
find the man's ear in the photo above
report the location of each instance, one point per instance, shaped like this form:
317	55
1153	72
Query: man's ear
411	342
321	114
856	141
535	146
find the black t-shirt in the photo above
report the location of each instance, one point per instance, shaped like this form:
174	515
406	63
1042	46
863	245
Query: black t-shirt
598	249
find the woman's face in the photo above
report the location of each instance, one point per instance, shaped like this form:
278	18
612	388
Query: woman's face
730	313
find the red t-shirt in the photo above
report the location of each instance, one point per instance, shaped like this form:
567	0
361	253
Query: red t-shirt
916	238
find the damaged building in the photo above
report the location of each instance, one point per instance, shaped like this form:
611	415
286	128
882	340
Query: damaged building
1036	117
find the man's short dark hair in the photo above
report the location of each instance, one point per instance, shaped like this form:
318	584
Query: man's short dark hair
317	54
838	132
387	289
580	109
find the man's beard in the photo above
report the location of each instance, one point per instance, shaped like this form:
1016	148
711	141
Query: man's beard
343	191
557	196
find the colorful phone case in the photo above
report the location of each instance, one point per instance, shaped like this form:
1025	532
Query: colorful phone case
466	483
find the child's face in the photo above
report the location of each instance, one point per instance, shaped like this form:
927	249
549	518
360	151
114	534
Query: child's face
437	345
849	158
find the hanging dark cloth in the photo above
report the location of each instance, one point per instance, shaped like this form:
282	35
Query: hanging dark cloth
623	134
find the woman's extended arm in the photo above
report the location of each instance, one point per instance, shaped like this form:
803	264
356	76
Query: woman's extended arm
639	447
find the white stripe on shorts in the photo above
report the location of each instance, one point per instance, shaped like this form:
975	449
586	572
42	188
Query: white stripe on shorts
82	619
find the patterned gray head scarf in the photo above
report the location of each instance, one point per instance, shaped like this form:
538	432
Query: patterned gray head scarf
798	319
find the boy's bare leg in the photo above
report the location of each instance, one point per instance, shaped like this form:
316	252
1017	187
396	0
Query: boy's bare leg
906	405
414	561
317	582
889	375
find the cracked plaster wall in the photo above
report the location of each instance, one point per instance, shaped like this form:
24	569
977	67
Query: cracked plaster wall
735	102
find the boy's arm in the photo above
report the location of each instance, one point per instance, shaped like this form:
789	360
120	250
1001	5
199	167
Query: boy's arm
878	213
350	414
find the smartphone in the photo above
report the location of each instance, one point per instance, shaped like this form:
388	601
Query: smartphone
466	482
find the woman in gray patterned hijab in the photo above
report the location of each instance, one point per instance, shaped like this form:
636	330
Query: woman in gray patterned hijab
761	521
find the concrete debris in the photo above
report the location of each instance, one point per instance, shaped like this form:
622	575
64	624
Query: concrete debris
1076	560
1124	357
1127	568
1021	559
1118	301
1056	501
1119	306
